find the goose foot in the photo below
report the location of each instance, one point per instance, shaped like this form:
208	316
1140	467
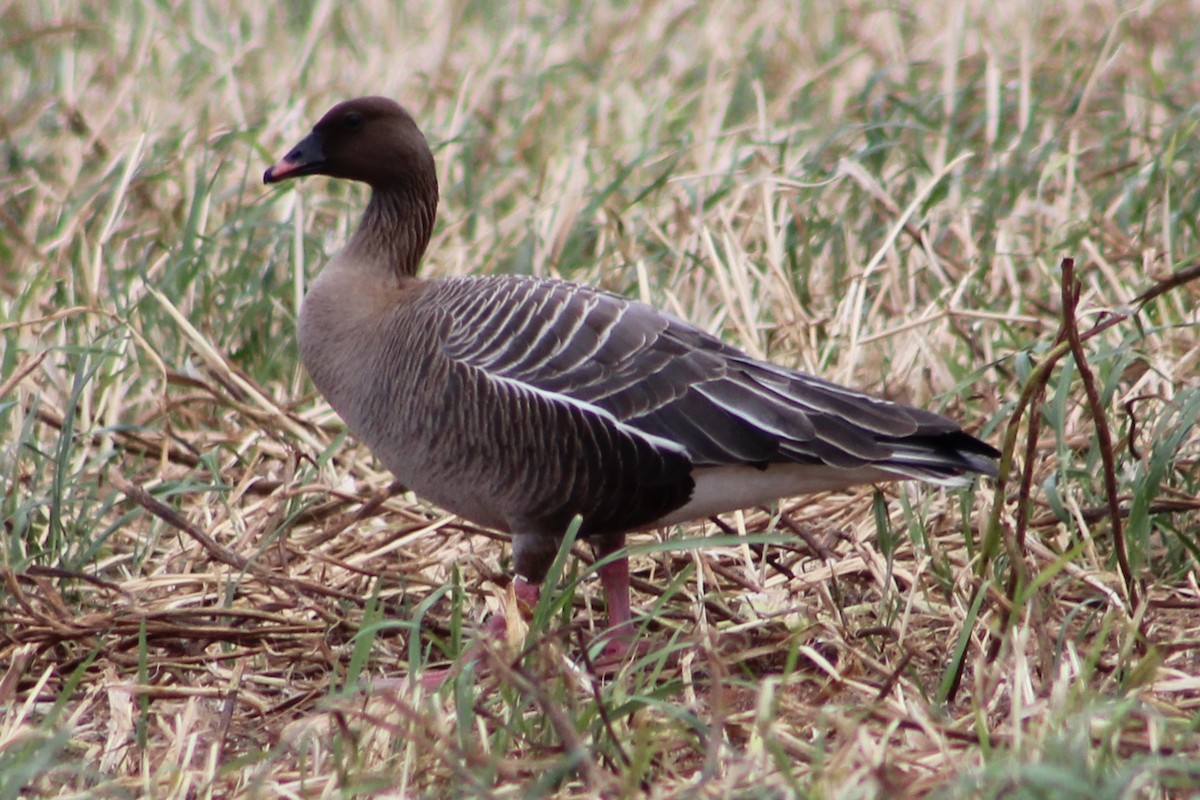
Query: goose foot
494	631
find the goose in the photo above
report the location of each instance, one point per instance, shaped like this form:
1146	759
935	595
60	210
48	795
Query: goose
518	403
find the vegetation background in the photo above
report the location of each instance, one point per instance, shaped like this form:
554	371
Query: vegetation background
200	570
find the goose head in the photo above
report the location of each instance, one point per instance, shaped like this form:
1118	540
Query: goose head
375	141
368	139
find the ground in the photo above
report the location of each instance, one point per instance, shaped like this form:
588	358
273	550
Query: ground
209	590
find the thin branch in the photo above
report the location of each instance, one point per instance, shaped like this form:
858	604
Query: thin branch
216	550
994	533
1070	300
1178	278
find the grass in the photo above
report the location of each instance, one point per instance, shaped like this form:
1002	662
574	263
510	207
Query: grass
200	569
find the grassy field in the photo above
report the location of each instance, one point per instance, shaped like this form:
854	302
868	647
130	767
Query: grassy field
201	571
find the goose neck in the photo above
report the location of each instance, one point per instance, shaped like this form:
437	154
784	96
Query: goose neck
395	229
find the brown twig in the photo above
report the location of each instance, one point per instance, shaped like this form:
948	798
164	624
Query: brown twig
21	372
1070	299
601	706
894	677
993	534
1093	515
1017	573
1178	278
216	550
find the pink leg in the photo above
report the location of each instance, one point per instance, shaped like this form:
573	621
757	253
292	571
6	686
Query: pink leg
527	593
495	628
614	576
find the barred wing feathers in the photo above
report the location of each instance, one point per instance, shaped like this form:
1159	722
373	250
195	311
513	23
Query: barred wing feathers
677	385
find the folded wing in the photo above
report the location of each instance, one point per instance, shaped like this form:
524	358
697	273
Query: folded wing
678	384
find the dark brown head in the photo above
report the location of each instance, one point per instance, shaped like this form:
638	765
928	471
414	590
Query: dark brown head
369	139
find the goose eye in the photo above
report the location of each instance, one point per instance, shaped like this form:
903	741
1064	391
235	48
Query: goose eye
353	120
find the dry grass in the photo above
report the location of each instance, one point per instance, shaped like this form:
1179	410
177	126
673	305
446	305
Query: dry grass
198	565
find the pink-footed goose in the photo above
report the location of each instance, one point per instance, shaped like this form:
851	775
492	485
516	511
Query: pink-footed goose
518	402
